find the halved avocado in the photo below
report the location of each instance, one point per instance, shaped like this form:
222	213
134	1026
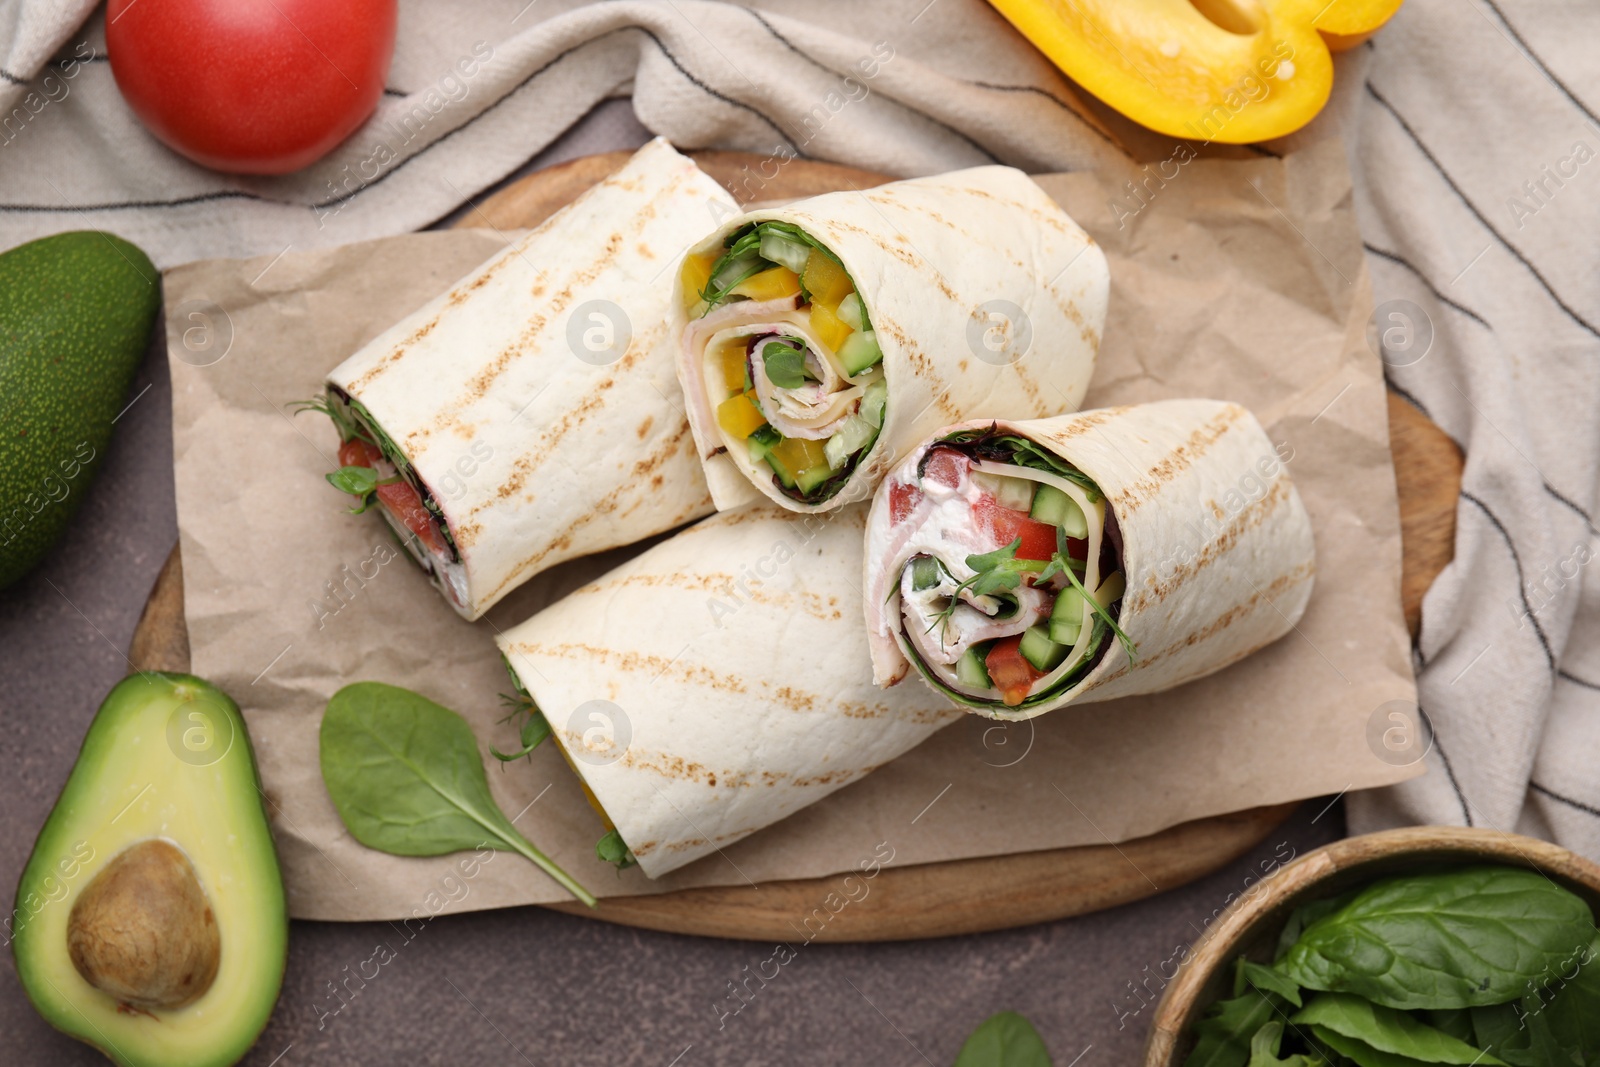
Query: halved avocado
150	920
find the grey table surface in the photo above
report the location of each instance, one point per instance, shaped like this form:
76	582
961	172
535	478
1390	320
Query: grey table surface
526	985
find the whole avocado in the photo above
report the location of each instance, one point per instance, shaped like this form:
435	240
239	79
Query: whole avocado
76	311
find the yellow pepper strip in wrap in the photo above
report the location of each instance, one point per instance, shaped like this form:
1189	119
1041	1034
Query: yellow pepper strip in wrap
1233	71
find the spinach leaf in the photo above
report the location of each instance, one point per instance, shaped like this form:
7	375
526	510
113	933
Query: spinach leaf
1304	916
1457	1022
1005	1039
1355	1051
406	778
1270	981
1264	1050
1387	1030
1558	1024
1454	939
1224	1035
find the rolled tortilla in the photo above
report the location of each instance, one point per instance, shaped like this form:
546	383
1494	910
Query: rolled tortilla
1193	542
981	295
718	682
530	413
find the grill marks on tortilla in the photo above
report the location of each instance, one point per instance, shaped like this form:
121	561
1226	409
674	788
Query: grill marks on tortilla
453	300
534	337
725	586
652	666
1257	599
1132	495
1159	588
544	445
638	484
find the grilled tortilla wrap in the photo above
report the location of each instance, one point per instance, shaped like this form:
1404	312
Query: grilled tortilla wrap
1022	566
718	682
822	340
530	414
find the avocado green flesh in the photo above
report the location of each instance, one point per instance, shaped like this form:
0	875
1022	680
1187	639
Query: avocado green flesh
76	311
128	785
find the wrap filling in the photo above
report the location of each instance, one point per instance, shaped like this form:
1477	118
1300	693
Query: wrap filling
374	471
786	357
1005	578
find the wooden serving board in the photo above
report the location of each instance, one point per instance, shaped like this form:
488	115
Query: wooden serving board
960	896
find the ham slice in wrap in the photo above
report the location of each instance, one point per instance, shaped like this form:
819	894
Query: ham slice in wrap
822	340
530	414
1021	566
717	683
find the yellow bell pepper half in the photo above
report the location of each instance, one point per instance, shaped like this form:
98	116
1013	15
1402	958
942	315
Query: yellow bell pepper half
1232	71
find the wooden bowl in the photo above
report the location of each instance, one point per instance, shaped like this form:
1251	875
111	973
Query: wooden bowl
1251	924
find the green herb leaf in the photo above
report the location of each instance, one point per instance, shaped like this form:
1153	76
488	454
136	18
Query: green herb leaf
785	362
406	778
1224	1036
1304	916
612	849
1559	1023
1005	1039
331	406
1270	981
1061	559
1264	1050
357	481
1388	1030
1463	938
535	728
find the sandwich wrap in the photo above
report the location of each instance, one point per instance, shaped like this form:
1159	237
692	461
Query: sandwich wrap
820	341
718	682
1022	566
529	414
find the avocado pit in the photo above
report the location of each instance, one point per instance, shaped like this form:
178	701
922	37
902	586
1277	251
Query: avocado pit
143	930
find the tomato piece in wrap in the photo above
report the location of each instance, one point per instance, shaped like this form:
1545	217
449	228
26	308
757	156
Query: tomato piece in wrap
530	414
1022	566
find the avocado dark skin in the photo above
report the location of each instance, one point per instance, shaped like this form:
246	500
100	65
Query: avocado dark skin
76	311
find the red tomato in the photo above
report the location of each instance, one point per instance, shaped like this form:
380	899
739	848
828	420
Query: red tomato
903	500
946	467
404	503
1008	524
358	453
1010	671
251	86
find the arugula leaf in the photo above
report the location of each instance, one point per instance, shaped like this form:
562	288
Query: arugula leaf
1264	1050
785	362
1100	610
1387	1030
1270	981
337	412
991	444
534	729
406	778
1224	1036
612	849
1004	1039
1453	939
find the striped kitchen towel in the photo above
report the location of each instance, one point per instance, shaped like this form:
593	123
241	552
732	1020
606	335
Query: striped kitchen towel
1472	133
